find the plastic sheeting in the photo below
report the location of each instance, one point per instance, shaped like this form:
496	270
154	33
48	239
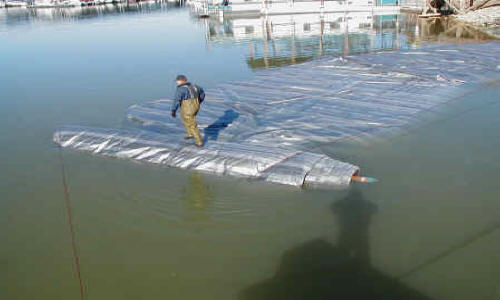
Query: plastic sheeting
238	159
255	128
331	99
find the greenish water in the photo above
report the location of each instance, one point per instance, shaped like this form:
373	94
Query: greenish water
427	230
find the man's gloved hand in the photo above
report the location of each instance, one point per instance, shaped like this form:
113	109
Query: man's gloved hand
173	114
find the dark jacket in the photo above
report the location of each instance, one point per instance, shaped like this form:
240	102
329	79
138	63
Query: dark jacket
187	91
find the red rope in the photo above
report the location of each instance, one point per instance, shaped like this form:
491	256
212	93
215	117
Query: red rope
69	215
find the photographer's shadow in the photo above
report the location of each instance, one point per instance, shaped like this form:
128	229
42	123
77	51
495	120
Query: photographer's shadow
320	270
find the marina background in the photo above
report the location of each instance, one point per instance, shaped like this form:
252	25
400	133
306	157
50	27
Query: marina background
430	223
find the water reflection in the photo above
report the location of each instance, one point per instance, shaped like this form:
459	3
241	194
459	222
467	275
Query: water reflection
319	270
196	197
289	39
279	40
19	16
448	30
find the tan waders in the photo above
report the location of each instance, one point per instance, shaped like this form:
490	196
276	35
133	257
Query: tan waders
189	109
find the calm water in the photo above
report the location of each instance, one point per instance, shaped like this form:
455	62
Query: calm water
427	230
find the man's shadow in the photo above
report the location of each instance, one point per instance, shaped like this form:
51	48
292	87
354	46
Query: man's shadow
320	270
211	132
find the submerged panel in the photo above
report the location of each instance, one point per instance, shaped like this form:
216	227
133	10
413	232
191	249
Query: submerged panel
264	127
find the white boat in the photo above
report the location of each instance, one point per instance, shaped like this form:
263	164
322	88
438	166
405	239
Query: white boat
87	2
104	1
54	3
14	3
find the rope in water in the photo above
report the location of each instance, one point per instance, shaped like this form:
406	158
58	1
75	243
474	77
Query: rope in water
69	218
450	251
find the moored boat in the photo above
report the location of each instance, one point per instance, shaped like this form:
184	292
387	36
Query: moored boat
54	3
15	3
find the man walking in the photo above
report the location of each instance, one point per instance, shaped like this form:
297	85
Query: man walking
189	97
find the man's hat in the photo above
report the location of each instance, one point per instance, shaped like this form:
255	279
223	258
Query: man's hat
181	77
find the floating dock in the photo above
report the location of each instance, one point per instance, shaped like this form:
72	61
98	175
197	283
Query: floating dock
270	126
249	160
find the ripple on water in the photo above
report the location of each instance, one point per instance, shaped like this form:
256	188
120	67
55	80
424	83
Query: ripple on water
195	200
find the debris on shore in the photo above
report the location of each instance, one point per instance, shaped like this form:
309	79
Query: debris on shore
489	16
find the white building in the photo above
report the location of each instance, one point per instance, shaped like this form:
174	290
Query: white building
265	7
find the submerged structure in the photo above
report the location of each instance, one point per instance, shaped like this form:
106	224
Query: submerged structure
269	127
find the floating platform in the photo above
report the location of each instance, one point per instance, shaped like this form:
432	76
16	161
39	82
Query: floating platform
335	98
271	164
270	126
